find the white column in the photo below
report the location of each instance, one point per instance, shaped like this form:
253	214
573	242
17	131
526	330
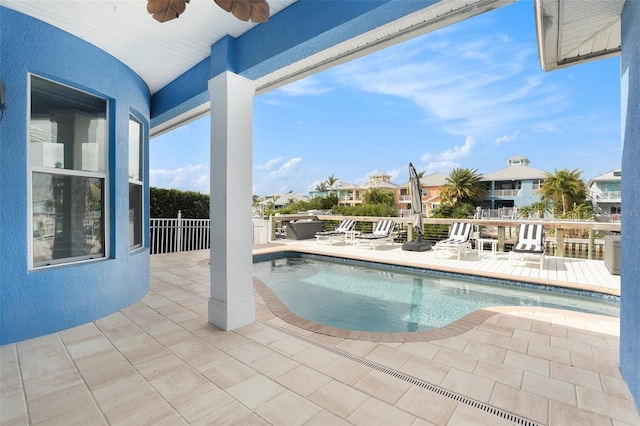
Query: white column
231	304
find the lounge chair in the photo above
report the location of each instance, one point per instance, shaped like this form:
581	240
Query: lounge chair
380	235
529	245
338	234
458	242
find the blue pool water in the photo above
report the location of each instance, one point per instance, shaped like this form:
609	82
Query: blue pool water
381	299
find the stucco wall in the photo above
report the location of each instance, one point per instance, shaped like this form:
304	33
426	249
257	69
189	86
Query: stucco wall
39	302
630	267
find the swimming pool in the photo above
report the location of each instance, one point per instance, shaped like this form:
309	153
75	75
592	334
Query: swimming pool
357	295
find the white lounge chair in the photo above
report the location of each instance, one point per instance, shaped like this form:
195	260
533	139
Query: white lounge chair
380	235
529	245
458	242
338	234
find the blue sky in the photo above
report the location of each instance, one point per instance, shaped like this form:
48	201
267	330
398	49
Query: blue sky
470	95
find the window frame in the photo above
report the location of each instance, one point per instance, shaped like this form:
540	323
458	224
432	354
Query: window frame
103	176
138	182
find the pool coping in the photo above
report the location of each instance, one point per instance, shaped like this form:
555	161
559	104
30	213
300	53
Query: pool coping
456	328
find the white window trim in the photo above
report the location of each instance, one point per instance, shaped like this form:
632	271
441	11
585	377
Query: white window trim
31	169
140	182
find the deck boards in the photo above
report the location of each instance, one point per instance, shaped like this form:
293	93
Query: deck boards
568	272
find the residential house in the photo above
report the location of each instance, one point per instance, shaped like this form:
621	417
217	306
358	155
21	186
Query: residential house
605	192
350	194
280	201
516	185
430	186
381	181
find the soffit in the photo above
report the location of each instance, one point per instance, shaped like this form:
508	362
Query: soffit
158	52
574	31
431	18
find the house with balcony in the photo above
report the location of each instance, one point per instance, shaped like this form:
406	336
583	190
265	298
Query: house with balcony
381	181
350	194
516	185
604	191
430	186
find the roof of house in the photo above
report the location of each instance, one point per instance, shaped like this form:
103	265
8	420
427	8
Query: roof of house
518	158
516	172
434	179
284	199
342	185
610	176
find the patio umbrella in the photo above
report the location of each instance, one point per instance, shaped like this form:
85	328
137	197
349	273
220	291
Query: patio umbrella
416	200
416	209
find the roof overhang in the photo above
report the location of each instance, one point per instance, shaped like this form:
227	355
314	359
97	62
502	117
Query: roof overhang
576	31
430	18
177	58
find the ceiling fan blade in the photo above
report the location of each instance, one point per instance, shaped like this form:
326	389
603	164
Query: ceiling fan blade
166	10
260	11
254	10
227	5
155	6
241	10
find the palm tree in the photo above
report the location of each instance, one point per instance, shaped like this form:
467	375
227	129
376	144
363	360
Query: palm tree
565	187
331	180
322	186
540	207
464	186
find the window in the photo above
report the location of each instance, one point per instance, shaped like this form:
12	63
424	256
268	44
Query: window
135	184
68	170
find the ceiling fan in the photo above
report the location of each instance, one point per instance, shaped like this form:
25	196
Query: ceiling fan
245	10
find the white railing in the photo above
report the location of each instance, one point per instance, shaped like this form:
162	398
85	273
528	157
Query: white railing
261	230
178	234
607	195
506	193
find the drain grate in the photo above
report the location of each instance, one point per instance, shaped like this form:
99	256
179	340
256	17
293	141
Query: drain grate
515	419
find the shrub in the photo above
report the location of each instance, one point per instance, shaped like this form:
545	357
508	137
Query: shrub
165	203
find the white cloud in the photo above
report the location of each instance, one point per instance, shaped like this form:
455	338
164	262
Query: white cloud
455	153
507	138
479	85
309	86
270	164
448	159
312	186
188	178
443	167
458	152
282	179
396	173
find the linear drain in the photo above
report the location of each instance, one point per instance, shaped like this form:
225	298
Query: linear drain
399	375
518	420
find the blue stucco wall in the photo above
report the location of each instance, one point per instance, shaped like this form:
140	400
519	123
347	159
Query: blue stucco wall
630	248
34	303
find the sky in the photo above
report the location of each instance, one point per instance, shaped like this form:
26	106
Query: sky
469	95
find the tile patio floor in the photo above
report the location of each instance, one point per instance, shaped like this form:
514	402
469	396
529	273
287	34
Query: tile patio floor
160	362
